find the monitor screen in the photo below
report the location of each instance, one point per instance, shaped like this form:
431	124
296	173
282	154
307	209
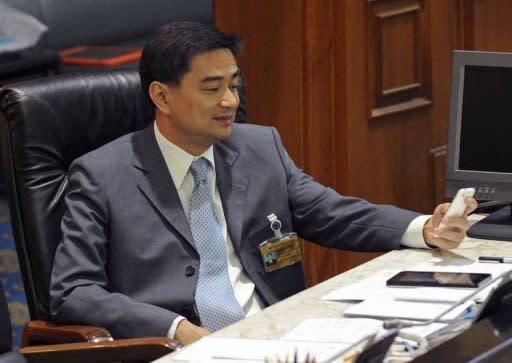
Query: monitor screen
480	130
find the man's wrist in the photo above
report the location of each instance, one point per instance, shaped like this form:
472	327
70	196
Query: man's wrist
414	236
171	333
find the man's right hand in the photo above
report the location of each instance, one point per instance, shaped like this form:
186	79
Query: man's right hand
188	333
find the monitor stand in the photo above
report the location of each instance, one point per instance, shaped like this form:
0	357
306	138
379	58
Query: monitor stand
496	226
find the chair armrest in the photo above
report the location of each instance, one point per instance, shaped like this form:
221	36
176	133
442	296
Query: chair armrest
44	332
106	351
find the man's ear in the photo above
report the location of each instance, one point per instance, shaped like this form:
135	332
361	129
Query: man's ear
158	92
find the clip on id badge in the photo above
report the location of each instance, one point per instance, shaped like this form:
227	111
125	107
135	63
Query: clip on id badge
281	250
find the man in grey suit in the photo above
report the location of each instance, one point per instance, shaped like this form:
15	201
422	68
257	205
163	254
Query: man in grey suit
130	259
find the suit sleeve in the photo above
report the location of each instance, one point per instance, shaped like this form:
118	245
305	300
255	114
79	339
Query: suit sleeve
323	216
79	288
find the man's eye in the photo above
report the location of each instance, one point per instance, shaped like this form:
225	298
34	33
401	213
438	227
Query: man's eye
211	90
234	87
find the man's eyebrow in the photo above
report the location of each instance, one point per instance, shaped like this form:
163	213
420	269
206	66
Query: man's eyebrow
235	74
212	79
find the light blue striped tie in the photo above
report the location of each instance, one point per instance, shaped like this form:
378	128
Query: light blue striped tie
215	298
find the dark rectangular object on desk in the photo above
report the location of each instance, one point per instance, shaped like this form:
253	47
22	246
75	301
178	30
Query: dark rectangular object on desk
496	224
99	55
439	279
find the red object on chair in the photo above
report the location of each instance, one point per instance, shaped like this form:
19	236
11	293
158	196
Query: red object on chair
99	55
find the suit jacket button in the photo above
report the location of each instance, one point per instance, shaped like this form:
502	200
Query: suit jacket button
190	271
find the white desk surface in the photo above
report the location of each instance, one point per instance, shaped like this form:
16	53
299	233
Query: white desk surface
276	320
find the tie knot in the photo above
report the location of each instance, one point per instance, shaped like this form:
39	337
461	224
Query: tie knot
199	169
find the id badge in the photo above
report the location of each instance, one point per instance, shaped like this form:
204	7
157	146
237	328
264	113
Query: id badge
282	250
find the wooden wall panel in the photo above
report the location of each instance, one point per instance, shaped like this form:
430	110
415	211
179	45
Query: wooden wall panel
388	157
321	139
271	62
403	73
492	25
398	44
360	90
446	34
448	29
438	173
464	23
288	70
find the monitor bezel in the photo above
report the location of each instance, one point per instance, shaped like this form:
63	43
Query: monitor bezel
489	185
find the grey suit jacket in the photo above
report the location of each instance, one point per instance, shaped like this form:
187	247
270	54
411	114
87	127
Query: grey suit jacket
127	260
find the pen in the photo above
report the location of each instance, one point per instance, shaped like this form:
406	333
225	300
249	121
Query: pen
495	259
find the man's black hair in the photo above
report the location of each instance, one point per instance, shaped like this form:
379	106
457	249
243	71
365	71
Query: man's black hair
167	54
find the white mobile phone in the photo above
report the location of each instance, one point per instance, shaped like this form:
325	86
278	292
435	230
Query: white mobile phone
458	205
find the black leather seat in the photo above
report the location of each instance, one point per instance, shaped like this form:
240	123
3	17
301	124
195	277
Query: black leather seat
46	124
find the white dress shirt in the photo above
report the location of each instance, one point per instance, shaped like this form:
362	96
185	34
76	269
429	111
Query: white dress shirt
178	162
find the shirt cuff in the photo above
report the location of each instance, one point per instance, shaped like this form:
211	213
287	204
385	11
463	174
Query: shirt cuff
413	236
172	330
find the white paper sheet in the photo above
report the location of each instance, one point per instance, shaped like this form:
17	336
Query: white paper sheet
340	330
215	349
389	308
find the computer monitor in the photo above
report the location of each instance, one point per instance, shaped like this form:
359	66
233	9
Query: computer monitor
480	135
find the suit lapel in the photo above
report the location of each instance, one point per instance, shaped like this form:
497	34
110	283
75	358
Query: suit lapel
232	183
156	182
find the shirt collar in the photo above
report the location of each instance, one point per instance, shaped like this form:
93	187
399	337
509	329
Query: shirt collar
178	160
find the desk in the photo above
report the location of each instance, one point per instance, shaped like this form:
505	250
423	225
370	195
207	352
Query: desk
278	319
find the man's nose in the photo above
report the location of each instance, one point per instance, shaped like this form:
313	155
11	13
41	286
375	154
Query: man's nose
230	99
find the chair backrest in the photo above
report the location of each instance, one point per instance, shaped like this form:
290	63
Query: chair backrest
45	124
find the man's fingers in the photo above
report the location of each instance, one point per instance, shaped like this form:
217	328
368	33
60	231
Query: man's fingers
471	205
452	234
448	241
439	213
455	223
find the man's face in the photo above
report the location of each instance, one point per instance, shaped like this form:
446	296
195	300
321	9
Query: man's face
201	110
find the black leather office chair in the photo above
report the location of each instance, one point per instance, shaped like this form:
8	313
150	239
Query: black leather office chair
45	124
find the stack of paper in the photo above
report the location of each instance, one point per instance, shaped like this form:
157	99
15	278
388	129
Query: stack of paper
348	331
220	350
323	339
386	308
413	303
